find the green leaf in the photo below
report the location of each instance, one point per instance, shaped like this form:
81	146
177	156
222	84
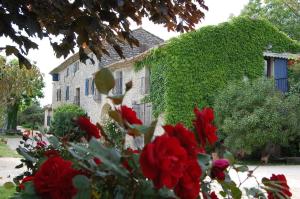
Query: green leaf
256	193
128	86
24	153
117	100
115	115
242	168
82	184
104	81
149	134
54	141
229	156
8	185
204	161
166	193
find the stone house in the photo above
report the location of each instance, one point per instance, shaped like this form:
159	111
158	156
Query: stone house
73	81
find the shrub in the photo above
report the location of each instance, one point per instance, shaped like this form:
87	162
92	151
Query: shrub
62	123
253	114
31	117
114	133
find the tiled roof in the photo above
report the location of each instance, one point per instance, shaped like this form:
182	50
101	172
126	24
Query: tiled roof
146	39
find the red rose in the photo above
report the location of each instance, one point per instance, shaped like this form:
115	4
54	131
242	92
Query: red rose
188	186
54	179
218	168
278	182
129	115
163	161
213	195
203	125
40	144
51	153
86	125
26	179
185	137
97	161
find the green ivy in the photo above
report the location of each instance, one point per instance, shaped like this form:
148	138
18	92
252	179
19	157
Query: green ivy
191	68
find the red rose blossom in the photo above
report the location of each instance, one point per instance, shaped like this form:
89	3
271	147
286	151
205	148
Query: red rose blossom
26	179
279	182
218	168
86	125
129	115
188	186
185	137
163	161
54	179
204	127
213	195
97	161
40	144
51	153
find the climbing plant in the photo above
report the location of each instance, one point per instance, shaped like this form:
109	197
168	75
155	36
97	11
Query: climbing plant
189	69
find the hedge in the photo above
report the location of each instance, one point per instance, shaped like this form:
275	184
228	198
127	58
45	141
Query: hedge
191	68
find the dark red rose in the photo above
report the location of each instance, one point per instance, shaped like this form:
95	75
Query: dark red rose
51	153
26	179
129	115
213	195
203	124
86	125
54	179
40	144
188	186
218	168
97	161
164	161
278	182
185	137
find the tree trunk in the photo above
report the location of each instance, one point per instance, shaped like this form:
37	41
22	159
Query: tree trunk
12	113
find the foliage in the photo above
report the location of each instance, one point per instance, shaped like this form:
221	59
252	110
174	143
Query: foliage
87	24
188	70
114	133
253	114
6	193
284	14
173	165
19	87
63	119
31	117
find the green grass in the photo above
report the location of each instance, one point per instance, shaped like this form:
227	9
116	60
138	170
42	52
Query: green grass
6	193
5	151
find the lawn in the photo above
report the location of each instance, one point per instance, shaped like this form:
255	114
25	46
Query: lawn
6	193
5	151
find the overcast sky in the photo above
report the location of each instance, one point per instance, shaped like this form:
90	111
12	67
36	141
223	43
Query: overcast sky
219	11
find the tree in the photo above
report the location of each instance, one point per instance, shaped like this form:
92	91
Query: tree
32	116
284	14
89	24
18	87
251	115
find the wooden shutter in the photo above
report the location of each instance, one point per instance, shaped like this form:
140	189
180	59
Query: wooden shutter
86	87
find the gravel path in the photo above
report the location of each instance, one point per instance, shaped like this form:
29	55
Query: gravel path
7	169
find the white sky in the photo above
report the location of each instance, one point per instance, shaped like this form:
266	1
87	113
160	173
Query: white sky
219	11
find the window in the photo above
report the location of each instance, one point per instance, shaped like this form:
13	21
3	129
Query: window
77	97
92	86
75	67
67	97
55	77
144	112
58	95
145	83
118	90
67	72
48	120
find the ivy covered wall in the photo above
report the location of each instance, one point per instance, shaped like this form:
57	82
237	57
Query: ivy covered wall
190	69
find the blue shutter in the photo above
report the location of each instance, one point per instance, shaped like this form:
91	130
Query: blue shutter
86	87
281	74
93	87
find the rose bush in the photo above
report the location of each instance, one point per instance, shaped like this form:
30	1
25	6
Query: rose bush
172	165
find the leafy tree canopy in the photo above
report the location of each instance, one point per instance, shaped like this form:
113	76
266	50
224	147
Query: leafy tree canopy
284	14
88	24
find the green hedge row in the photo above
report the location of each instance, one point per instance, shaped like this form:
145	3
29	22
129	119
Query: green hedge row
190	69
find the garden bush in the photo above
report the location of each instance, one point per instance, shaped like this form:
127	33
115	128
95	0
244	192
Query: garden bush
31	117
114	133
252	114
63	119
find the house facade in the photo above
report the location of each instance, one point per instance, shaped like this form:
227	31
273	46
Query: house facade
73	81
